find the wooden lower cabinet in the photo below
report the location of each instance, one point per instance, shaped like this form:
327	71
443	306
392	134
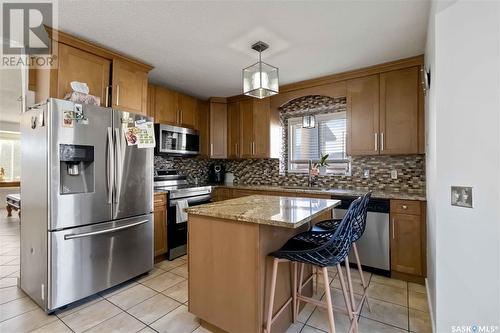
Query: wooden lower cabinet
160	224
407	232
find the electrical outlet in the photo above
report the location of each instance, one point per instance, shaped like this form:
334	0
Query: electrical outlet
366	173
394	174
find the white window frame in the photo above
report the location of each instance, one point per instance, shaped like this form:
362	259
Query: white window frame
335	166
11	137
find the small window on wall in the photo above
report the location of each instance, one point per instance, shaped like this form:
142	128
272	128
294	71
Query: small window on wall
328	137
10	156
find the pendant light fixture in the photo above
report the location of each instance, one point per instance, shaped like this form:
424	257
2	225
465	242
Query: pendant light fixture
309	121
260	80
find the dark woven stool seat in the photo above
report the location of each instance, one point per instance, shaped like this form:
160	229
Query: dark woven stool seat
322	248
359	224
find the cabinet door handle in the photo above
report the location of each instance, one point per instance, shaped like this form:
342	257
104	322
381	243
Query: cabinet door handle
382	141
404	207
376	141
180	116
117	94
393	233
237	151
253	147
211	149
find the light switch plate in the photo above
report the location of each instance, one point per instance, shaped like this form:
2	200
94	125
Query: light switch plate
366	173
394	174
461	196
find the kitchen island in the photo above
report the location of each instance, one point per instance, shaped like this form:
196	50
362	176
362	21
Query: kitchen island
229	268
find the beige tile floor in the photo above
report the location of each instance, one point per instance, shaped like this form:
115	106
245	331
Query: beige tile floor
157	302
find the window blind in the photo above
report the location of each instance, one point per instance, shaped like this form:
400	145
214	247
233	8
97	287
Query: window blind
328	137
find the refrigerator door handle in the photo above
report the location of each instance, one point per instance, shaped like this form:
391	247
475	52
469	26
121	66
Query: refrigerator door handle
105	231
110	164
119	147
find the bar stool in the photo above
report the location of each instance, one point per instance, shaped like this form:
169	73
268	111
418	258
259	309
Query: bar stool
359	227
320	249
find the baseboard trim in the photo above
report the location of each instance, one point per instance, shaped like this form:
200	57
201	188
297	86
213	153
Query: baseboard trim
431	314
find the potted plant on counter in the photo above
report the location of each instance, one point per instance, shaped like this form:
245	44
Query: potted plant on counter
322	164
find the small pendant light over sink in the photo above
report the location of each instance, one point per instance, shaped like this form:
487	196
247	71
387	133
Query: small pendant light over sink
260	79
309	121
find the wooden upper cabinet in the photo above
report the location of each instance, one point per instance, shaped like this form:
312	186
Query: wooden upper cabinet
399	94
166	111
82	66
233	130
246	129
218	129
151	100
363	115
203	124
174	108
187	110
97	66
261	128
130	87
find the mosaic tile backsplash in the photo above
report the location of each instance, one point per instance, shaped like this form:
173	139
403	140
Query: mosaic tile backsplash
410	169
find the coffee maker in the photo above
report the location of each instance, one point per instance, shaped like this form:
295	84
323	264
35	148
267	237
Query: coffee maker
216	173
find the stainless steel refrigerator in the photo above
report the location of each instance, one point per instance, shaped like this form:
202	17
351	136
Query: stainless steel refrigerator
87	198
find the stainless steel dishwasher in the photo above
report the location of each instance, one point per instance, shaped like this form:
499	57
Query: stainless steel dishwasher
374	245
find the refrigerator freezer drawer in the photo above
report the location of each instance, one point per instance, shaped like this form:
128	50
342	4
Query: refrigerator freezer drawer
86	260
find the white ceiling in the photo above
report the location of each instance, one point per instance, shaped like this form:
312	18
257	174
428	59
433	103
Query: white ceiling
200	47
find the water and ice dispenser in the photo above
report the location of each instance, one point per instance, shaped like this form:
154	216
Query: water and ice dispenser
76	168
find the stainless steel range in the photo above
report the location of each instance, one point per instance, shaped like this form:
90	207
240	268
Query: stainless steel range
180	195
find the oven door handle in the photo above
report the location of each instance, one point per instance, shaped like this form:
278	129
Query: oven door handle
193	200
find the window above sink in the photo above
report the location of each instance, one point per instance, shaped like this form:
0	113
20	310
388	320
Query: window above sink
327	137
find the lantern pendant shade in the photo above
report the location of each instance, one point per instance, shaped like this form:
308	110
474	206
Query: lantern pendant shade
260	80
308	121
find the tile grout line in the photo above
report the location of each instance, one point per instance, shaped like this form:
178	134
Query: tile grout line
19	314
166	315
157	293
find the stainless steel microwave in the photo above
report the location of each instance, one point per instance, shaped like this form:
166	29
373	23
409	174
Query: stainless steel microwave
174	140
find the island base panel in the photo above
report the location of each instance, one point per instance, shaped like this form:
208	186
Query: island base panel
230	273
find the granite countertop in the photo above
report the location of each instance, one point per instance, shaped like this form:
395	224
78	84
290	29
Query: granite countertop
288	212
331	191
